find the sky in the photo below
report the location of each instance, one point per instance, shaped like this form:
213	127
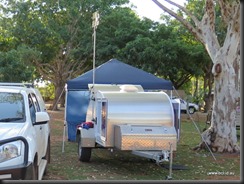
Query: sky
147	8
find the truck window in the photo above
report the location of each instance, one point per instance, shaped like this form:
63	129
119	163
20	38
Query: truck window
32	109
12	107
35	101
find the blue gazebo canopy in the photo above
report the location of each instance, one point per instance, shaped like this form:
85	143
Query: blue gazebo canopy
117	72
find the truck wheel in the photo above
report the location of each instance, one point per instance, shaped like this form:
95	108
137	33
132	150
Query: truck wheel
34	171
191	110
84	153
47	156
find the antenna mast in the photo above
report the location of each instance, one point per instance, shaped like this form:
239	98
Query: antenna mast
95	22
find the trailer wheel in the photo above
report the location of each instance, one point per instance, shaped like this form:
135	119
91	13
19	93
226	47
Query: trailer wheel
84	153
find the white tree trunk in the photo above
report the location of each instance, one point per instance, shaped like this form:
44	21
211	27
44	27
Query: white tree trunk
221	135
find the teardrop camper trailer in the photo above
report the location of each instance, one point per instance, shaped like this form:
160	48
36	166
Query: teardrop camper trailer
126	117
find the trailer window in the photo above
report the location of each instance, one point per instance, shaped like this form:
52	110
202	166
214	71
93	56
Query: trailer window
104	118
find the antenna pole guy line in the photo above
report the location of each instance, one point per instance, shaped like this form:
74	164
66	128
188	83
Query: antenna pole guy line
198	130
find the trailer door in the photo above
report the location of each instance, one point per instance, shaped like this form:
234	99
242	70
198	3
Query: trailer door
177	113
102	110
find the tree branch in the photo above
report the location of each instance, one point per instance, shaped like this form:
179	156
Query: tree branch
195	31
226	10
204	30
209	16
195	20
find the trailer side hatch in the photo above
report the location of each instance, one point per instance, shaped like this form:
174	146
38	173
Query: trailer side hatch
141	137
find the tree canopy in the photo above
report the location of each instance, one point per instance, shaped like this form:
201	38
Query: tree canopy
59	35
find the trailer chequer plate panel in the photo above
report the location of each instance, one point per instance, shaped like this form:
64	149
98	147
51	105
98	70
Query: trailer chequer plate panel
135	137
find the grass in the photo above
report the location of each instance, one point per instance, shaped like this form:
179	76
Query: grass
121	165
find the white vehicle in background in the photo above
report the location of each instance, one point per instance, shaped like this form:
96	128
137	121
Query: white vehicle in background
24	133
192	107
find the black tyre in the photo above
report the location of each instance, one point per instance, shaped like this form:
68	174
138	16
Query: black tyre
184	111
47	156
191	110
84	153
35	171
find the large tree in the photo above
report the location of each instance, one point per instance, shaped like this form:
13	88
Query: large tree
161	50
60	30
15	65
117	28
221	135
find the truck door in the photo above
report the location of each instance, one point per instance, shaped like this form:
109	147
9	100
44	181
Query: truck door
39	129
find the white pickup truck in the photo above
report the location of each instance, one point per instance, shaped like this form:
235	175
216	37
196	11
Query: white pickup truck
24	133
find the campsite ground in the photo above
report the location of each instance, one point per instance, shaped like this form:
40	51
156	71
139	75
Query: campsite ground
119	165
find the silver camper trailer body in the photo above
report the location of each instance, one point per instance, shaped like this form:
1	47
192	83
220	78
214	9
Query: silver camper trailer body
126	117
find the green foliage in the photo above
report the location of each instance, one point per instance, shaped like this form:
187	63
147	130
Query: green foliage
117	28
165	52
6	39
60	30
47	91
15	65
60	36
